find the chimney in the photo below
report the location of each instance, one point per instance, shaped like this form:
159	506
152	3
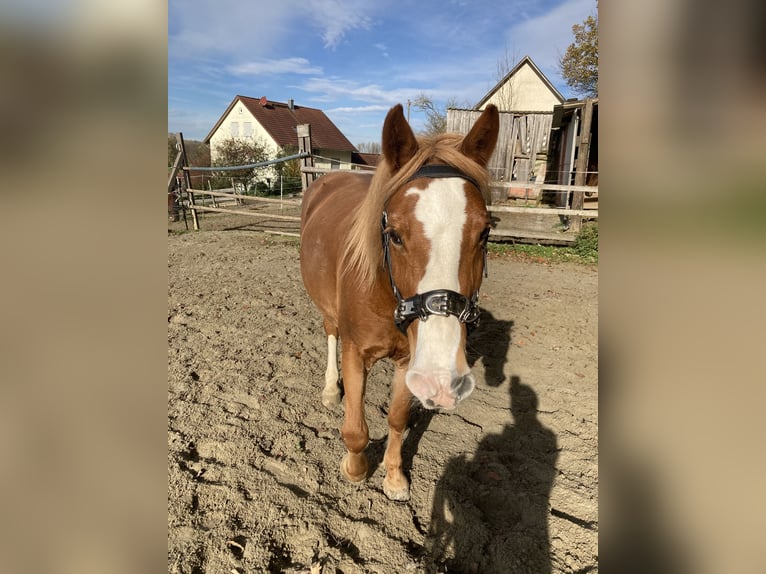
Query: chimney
291	104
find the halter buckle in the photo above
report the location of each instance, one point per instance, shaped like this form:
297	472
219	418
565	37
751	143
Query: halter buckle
435	303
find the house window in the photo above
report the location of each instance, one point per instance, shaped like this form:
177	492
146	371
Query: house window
247	129
234	129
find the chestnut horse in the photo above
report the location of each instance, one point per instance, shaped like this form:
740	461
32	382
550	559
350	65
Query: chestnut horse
394	262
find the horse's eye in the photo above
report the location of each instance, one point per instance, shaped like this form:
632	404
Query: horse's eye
394	237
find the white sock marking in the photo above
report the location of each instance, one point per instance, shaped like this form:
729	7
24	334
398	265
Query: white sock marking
331	374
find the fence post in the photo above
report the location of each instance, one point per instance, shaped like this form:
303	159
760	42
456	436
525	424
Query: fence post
583	151
304	145
173	185
187	179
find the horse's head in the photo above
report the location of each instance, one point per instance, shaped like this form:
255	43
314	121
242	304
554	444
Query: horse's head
435	228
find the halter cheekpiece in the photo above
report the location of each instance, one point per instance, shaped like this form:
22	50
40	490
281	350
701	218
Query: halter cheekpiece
442	302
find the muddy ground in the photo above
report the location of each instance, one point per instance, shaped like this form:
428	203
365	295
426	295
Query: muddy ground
506	483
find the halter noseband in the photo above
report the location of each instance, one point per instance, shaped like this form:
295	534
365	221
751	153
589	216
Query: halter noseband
442	302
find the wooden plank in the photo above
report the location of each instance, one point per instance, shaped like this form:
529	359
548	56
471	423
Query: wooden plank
587	213
176	167
533	235
551	186
304	146
294	202
581	166
253	213
495	183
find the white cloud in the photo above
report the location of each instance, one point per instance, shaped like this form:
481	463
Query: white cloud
337	17
234	27
383	49
358	109
337	89
545	38
267	66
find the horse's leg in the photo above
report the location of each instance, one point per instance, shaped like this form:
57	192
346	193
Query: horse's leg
395	484
355	433
331	391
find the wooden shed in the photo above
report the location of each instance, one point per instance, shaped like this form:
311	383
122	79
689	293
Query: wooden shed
521	153
573	157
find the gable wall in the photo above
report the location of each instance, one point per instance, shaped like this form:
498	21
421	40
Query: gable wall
240	115
523	92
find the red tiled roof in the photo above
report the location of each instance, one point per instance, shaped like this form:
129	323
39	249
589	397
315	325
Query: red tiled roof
370	159
279	121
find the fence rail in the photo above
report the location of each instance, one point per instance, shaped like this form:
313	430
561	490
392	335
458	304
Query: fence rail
243	212
548	186
249	165
587	213
204	192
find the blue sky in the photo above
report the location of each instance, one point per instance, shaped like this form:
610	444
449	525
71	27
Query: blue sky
354	59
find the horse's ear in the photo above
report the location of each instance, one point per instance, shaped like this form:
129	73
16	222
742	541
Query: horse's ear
480	141
399	143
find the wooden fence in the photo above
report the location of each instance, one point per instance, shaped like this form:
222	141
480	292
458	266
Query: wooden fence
521	152
522	144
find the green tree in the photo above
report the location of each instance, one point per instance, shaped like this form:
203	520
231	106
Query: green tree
288	169
579	64
288	173
232	152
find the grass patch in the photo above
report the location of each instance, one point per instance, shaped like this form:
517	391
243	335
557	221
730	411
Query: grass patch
584	250
586	242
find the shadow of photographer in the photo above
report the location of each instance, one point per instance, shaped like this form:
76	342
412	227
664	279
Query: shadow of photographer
490	511
490	343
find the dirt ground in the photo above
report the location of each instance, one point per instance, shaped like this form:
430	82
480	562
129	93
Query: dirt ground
508	482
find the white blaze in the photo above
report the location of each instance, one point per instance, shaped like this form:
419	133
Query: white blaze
441	210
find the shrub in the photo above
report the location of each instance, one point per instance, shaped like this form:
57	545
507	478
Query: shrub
586	242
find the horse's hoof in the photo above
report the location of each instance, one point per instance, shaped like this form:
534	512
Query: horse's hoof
396	489
351	477
331	398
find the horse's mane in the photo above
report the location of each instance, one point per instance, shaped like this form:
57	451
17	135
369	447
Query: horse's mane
363	256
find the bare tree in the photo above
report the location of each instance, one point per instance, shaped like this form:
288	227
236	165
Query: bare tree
436	116
505	63
369	147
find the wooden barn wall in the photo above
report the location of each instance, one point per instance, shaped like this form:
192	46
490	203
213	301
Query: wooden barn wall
522	146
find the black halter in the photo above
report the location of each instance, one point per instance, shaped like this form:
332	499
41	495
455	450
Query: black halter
443	302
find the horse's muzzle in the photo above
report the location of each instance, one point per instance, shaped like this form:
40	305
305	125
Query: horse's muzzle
440	389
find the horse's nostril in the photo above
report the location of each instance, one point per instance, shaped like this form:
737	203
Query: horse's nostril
429	404
462	386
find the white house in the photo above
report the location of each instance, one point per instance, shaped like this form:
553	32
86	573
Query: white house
524	89
274	123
